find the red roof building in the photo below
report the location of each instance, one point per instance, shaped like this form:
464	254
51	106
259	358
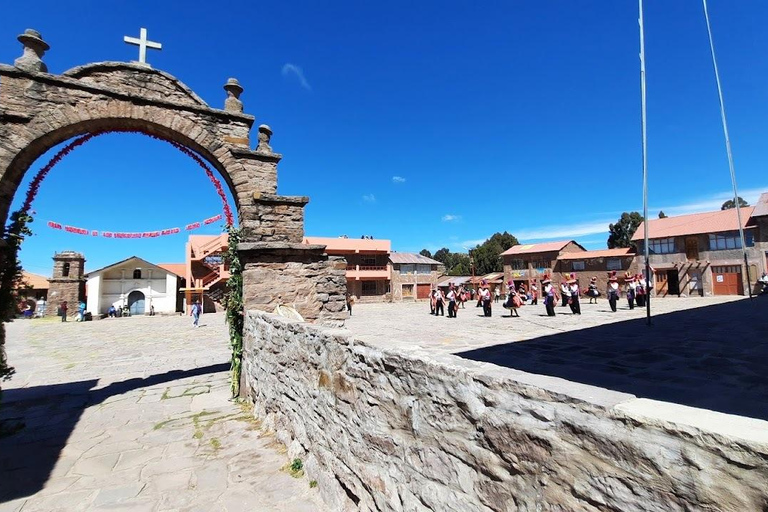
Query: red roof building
700	254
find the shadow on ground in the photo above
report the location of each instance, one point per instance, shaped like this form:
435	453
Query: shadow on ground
714	357
48	415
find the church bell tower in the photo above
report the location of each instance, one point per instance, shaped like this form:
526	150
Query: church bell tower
68	281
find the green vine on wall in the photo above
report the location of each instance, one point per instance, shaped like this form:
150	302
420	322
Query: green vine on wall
10	278
233	302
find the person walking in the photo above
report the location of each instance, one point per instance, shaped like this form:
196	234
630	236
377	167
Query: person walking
196	310
549	294
497	294
514	300
573	284
80	311
613	291
432	302
462	296
534	294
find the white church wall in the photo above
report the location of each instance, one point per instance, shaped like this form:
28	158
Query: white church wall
94	294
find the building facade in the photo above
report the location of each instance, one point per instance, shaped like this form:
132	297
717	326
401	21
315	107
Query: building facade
368	267
413	276
701	255
67	283
597	264
135	283
529	263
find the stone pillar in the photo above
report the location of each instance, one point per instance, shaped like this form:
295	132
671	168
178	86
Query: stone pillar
234	90
67	283
34	49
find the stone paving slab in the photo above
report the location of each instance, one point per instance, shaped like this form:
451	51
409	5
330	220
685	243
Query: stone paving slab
134	414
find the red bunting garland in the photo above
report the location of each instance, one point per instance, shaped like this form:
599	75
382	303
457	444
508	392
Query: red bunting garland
143	234
34	186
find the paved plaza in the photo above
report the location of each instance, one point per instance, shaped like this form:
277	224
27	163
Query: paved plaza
134	414
707	352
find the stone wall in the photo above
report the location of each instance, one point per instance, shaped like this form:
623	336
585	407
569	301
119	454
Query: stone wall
298	275
382	430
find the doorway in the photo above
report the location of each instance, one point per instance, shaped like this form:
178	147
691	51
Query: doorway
673	282
136	303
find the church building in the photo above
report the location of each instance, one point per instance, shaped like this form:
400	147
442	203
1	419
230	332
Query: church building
135	283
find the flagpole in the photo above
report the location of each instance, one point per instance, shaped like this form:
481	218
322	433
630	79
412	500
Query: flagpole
728	148
645	166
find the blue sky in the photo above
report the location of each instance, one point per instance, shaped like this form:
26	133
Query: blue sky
428	123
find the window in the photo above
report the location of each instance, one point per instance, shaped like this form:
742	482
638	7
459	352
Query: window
369	261
729	240
613	264
369	287
407	269
518	265
662	246
423	269
407	290
137	273
65	270
540	264
579	265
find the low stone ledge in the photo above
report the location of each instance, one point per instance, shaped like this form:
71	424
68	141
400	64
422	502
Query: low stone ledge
279	246
274	199
252	154
385	429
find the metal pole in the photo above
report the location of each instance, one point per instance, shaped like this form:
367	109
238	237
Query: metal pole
646	250
728	148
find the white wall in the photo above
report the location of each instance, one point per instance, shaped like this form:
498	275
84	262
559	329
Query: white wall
112	287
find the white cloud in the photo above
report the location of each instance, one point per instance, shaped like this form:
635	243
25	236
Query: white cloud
293	69
398	179
451	218
369	198
708	204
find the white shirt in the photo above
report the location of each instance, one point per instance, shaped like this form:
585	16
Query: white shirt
485	294
565	289
451	295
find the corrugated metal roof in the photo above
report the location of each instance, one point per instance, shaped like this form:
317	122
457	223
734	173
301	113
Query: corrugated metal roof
532	248
694	224
603	253
456	280
411	258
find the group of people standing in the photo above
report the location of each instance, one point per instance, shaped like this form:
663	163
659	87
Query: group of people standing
636	290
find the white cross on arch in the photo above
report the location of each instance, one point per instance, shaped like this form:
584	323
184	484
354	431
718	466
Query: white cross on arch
143	44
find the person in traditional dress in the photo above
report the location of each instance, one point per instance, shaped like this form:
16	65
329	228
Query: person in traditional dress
573	284
640	290
522	292
549	294
613	291
451	296
432	302
534	294
565	291
439	302
631	286
514	300
592	292
485	298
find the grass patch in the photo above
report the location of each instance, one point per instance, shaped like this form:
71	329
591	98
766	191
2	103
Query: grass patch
295	468
193	391
313	484
215	443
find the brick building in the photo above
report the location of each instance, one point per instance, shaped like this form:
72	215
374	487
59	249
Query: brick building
700	254
413	275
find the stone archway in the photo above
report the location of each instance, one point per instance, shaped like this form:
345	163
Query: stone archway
39	110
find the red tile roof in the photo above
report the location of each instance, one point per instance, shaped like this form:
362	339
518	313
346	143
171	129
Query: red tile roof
602	253
533	248
35	281
180	269
694	224
350	245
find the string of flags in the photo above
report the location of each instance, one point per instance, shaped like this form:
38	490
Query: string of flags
143	234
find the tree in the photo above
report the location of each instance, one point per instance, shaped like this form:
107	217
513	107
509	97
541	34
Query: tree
662	215
730	204
442	255
621	232
487	255
425	252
